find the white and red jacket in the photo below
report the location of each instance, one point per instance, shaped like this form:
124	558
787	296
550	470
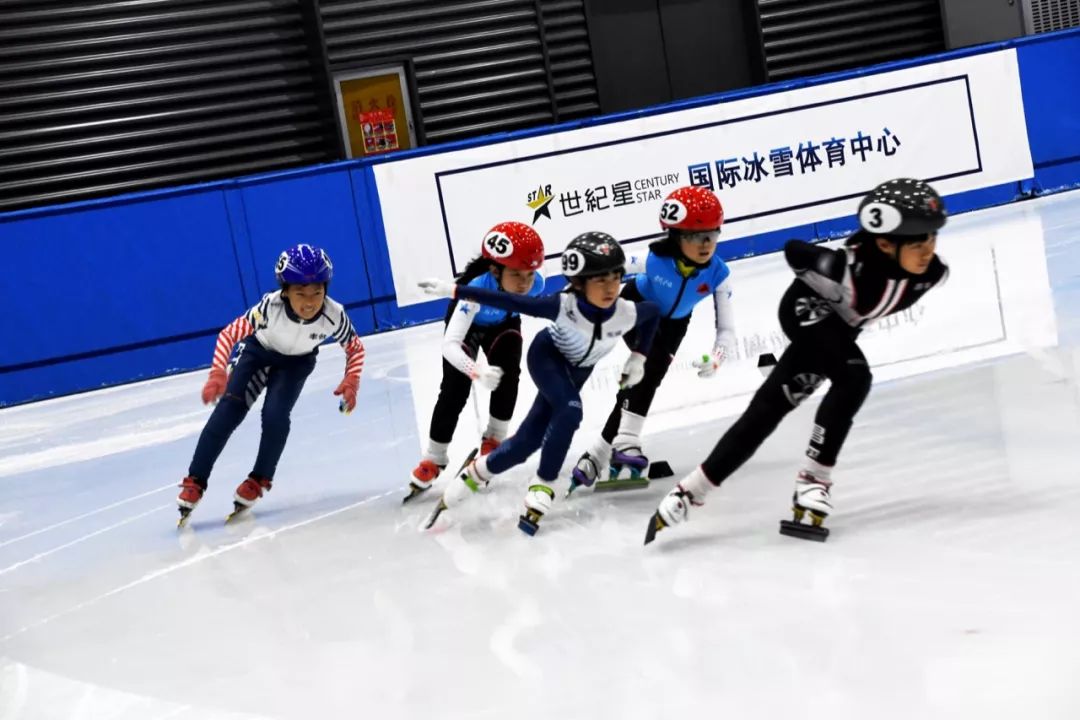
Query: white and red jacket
278	329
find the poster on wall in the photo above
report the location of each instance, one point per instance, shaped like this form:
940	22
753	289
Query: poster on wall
374	111
777	160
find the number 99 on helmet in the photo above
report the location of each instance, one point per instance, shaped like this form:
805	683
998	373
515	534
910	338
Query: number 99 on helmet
592	253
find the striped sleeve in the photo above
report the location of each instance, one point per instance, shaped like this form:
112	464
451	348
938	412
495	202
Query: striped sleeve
231	334
354	348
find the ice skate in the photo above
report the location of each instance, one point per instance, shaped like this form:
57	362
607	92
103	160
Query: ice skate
811	497
468	482
248	493
632	459
675	507
537	502
190	495
585	473
489	444
423	475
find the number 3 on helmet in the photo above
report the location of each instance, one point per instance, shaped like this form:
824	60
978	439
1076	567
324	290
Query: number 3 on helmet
514	245
693	209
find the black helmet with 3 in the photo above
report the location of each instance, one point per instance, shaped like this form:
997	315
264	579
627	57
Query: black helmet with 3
592	253
902	209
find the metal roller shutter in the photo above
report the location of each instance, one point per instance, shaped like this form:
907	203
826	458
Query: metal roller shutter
809	37
98	98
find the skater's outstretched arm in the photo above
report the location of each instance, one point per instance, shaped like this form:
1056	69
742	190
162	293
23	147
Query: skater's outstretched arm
544	306
636	263
648	319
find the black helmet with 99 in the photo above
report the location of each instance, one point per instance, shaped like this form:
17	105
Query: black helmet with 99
902	210
592	253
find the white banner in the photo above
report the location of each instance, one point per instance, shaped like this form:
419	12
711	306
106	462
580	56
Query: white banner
777	161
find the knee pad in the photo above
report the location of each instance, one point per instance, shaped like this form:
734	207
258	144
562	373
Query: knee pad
789	392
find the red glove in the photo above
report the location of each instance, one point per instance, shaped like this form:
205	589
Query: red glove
347	389
215	386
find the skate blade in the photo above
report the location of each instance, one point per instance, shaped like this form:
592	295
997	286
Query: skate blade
804	531
430	521
414	492
238	511
529	523
656	524
660	469
618	485
183	521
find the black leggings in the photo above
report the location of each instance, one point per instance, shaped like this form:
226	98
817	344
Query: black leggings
822	346
502	345
638	399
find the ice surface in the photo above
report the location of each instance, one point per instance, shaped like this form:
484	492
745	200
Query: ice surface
948	588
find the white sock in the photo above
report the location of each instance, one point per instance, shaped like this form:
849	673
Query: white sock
819	471
601	451
630	425
436	452
697	484
497	429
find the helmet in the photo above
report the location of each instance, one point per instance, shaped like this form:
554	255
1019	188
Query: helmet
514	245
302	265
692	208
592	253
901	208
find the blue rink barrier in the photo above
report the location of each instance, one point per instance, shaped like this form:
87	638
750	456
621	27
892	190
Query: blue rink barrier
138	286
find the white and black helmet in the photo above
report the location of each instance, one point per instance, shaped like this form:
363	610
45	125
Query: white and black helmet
902	208
592	253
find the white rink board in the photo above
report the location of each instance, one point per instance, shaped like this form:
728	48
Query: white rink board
959	124
996	302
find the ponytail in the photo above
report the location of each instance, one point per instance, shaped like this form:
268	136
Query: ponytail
474	269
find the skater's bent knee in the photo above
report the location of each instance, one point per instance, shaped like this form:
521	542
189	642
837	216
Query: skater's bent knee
571	414
858	377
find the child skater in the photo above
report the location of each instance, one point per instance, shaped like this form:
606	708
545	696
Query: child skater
587	322
679	272
884	268
276	344
511	252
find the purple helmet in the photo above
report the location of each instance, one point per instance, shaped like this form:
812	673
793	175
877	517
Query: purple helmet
302	265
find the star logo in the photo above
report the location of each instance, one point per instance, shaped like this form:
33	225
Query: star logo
703	288
538	202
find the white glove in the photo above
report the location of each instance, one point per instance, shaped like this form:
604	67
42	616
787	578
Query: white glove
488	376
437	287
633	371
709	363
